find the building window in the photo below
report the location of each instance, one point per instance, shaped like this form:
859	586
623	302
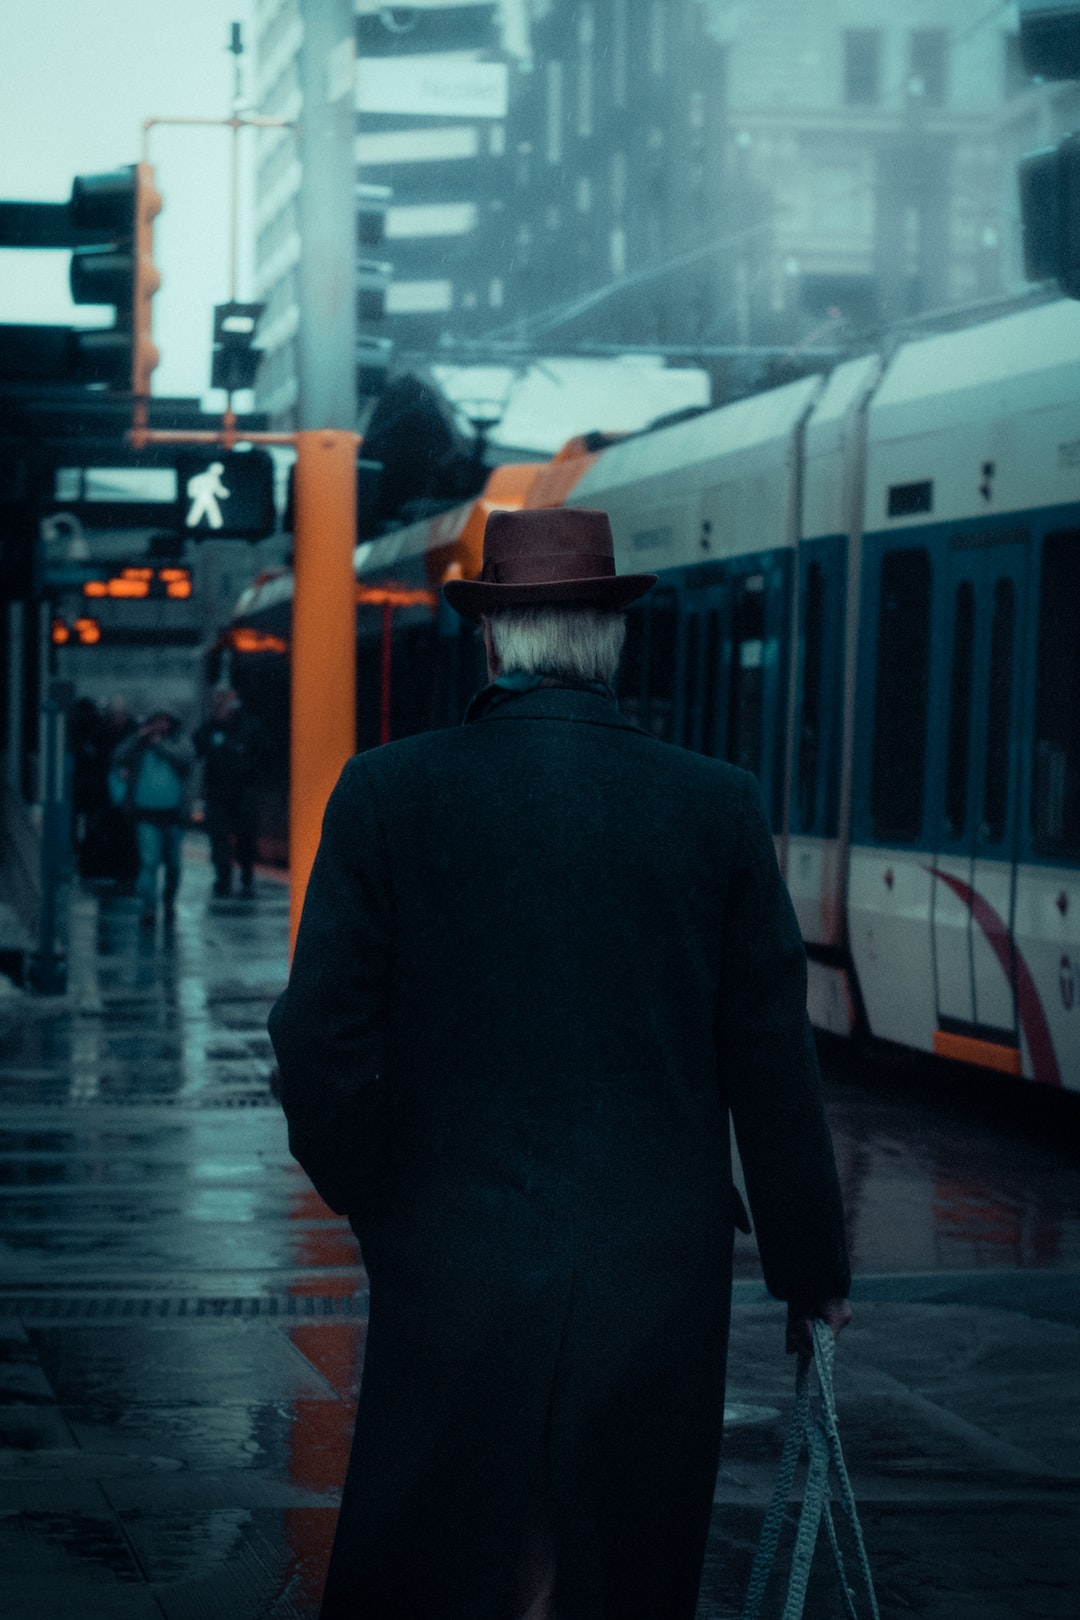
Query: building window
554	112
618	182
497	140
585	32
620	50
746	702
901	694
584	194
617	251
495	292
862	66
927	82
657	59
1055	800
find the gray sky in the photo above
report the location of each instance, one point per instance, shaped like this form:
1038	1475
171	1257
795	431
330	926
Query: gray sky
78	77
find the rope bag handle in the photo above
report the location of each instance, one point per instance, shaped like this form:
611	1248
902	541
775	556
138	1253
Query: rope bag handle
819	1430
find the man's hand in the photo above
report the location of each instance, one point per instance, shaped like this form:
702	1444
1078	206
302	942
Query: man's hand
801	1318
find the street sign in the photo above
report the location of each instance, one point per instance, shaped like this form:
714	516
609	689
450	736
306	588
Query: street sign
226	495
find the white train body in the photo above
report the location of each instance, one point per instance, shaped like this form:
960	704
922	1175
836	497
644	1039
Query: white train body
869	595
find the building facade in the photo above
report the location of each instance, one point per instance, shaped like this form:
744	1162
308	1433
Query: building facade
433	88
619	186
698	176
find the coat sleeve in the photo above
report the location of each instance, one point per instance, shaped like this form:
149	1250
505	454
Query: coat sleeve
328	1027
770	1071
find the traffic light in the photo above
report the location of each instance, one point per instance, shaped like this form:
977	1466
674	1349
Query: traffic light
225	495
373	276
1050	39
1050	214
235	362
119	269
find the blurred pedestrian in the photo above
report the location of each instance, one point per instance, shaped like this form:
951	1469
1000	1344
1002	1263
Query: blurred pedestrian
228	743
541	959
108	849
158	761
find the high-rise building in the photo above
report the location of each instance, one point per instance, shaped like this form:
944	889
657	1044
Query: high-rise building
774	173
434	82
872	149
692	175
621	220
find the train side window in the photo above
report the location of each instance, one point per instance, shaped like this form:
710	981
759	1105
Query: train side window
691	682
998	707
710	676
745	709
810	716
960	687
630	666
1056	787
901	694
660	683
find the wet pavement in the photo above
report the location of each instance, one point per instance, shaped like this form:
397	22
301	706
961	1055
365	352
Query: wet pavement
182	1320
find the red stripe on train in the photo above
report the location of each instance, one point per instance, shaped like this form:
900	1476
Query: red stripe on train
1030	1008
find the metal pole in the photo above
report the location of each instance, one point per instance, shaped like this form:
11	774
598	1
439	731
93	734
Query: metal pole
387	653
326	341
47	971
44	655
15	656
323	704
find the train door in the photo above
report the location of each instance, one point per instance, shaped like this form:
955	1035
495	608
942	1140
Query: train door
978	796
703	683
647	670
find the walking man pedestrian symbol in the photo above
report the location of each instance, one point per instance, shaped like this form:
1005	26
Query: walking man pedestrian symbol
205	490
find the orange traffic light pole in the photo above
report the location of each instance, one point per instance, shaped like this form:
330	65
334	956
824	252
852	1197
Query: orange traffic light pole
323	668
323	702
323	698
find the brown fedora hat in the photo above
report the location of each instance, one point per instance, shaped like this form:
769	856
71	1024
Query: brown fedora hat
547	554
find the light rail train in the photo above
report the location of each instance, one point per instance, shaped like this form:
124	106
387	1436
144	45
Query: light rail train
869	595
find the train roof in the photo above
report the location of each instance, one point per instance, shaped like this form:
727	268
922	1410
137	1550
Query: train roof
1008	367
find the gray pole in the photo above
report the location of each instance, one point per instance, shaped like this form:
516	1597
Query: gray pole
326	344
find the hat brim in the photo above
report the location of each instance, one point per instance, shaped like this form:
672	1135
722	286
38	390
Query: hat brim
473	598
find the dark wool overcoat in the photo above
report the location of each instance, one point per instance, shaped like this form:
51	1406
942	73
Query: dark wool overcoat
541	957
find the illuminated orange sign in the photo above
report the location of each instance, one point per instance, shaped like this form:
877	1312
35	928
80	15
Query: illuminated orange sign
246	640
137	583
393	596
88	631
60	633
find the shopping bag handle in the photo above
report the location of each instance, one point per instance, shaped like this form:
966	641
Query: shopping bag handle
821	1434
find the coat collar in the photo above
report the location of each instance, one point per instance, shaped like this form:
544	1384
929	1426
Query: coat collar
573	703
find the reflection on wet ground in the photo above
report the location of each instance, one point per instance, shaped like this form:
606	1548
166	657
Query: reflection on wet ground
182	1320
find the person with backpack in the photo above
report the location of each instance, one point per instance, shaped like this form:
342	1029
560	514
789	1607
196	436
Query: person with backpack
158	760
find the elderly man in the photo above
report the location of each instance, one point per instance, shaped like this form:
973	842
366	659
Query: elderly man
541	958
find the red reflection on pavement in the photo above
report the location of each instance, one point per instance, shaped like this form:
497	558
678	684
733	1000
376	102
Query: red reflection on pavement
320	1433
977	1230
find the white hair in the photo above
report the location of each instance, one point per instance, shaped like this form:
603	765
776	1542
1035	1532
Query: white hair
575	643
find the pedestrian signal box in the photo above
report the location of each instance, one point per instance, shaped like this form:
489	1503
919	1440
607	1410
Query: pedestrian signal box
226	495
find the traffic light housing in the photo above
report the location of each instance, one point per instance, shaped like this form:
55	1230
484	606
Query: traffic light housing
119	208
1050	214
1050	38
235	362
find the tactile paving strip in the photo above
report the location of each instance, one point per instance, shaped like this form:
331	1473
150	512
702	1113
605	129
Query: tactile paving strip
113	1308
